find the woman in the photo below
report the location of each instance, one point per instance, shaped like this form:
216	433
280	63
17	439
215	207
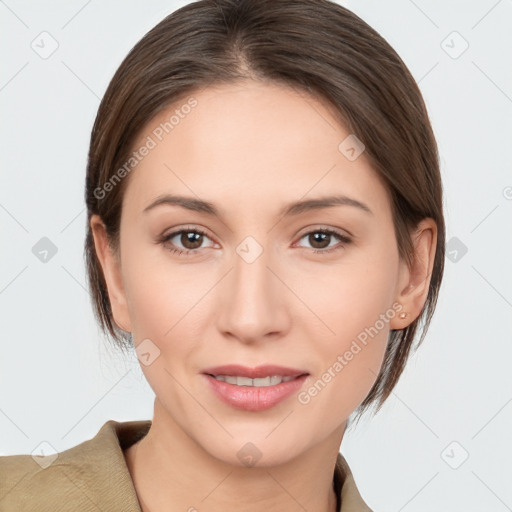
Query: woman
265	227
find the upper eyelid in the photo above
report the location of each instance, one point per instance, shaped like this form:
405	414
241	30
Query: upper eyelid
332	230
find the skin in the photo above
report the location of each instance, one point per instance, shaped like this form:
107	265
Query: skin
251	148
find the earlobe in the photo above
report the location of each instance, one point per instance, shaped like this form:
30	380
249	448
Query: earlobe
414	281
111	268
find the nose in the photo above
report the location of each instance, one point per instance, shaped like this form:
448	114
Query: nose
253	301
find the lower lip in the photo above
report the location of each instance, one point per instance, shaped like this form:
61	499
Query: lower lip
251	398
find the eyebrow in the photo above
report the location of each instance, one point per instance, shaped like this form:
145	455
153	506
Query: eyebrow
291	209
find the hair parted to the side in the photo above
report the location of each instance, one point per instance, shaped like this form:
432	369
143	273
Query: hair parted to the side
314	46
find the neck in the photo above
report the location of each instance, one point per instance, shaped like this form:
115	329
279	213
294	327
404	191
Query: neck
171	472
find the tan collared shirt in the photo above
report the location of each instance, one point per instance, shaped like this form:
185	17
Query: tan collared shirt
93	477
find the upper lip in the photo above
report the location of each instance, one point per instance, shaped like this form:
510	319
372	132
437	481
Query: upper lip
265	370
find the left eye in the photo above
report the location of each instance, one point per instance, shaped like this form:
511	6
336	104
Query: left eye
192	239
320	236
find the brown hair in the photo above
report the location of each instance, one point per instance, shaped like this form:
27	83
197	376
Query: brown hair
315	46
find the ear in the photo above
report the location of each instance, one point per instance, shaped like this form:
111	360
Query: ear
111	267
413	282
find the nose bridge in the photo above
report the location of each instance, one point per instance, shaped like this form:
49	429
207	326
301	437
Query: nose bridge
253	305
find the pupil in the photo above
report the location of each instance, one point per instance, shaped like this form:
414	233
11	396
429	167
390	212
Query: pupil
322	237
191	237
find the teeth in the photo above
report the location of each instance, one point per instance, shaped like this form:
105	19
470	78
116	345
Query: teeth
259	382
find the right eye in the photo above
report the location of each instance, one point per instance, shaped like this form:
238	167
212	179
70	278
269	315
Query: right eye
191	239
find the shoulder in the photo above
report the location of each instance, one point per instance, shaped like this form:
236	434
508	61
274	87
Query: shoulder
89	475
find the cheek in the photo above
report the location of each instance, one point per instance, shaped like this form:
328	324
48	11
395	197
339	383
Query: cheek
151	302
150	321
159	292
355	307
348	361
166	304
350	296
159	298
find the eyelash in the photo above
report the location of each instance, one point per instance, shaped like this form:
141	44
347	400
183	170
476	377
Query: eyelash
343	238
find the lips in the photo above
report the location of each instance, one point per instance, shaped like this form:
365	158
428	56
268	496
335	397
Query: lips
258	372
254	395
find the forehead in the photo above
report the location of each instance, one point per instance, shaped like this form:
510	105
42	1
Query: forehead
246	142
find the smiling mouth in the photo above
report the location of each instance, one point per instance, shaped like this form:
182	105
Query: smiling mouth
254	388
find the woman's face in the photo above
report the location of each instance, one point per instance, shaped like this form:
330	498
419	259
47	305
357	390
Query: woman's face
262	285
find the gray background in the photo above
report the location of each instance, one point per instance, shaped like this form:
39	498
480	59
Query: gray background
442	441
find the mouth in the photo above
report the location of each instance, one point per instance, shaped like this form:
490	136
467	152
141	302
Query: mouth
254	389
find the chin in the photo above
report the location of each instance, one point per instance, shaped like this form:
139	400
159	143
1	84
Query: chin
241	451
